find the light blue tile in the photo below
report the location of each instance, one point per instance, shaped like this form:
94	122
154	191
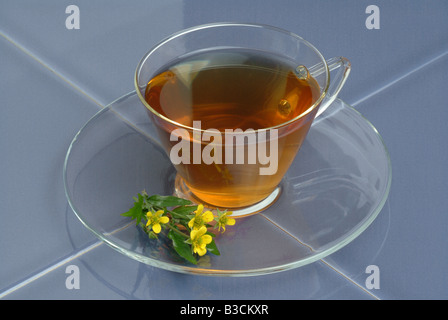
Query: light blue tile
406	241
98	178
106	274
40	116
410	32
101	56
409	238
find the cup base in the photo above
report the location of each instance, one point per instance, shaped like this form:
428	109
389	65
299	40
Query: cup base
181	190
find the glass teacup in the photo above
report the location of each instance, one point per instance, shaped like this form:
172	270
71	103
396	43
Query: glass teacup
232	104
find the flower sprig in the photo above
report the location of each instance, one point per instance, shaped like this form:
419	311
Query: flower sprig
187	224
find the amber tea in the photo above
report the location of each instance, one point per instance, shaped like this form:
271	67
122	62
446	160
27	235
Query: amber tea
219	98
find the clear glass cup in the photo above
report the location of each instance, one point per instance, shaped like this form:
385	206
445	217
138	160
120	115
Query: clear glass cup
247	186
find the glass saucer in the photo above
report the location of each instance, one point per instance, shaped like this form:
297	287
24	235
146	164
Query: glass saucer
335	188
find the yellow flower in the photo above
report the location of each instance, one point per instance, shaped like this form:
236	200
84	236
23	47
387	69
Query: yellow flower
200	218
155	219
199	240
224	220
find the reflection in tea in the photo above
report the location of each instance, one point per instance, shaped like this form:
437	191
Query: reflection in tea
233	91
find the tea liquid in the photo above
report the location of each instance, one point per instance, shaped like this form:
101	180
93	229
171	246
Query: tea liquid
228	89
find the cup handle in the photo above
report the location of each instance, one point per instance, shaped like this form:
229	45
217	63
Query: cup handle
339	70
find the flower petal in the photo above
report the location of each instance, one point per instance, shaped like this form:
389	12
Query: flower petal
199	209
206	239
201	231
164	220
207	216
193	234
156	228
200	251
191	223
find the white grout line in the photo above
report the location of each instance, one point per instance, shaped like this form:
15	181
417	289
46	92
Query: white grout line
349	279
48	269
46	66
323	259
422	66
77	254
96	244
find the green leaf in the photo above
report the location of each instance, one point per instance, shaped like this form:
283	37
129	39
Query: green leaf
182	248
167	201
136	211
185	210
212	248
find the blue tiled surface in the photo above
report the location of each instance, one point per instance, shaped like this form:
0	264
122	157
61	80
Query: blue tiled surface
52	80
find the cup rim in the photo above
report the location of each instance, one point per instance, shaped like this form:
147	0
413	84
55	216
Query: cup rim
231	24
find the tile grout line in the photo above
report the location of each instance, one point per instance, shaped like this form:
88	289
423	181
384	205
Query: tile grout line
323	260
349	279
77	88
48	269
46	66
77	254
74	86
391	83
55	265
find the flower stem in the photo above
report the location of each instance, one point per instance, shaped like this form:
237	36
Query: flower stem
176	230
177	215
